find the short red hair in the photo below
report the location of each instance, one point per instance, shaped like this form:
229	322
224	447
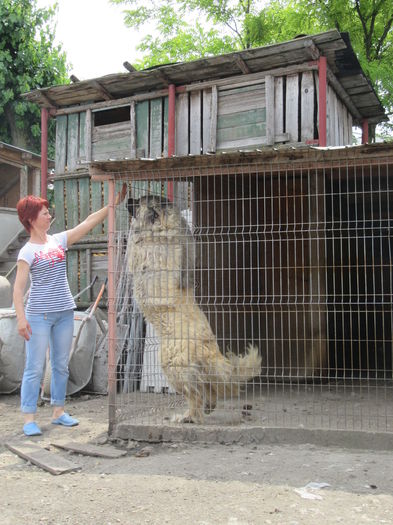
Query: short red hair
28	209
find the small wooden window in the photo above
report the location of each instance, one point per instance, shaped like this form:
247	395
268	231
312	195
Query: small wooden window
111	116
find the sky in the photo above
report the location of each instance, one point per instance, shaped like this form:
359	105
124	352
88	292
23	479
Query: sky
94	36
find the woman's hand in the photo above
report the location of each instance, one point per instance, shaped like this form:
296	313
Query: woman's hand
24	329
121	195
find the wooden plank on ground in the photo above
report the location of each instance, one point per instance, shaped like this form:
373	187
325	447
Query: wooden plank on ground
91	450
42	458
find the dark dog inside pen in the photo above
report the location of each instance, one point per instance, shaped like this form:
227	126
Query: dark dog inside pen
162	262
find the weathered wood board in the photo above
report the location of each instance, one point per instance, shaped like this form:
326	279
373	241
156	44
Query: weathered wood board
241	117
91	450
42	458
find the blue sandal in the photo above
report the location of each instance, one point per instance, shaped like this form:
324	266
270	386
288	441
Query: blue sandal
31	429
65	420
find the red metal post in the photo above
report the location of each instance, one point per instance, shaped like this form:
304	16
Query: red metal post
111	308
171	130
44	152
322	86
365	131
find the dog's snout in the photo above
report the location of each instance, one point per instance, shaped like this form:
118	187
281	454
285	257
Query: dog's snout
153	215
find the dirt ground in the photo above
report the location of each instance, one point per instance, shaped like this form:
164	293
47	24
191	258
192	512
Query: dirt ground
186	483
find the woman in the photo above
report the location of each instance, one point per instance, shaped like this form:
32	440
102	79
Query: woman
48	319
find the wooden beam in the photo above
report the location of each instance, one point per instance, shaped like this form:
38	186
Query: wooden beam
100	88
47	100
312	49
346	99
91	450
242	65
163	77
129	66
238	80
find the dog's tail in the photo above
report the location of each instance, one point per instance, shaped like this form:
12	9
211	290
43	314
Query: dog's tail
245	366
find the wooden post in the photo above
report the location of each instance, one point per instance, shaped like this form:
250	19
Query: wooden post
322	77
365	131
44	151
111	308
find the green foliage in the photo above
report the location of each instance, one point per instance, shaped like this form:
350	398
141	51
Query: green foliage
28	60
187	29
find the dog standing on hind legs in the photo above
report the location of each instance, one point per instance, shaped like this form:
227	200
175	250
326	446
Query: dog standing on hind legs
162	261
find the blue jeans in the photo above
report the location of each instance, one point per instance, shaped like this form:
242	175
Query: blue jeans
53	329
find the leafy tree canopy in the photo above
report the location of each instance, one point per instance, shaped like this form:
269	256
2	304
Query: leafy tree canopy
29	59
188	29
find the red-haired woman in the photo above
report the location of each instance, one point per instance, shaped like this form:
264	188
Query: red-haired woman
48	318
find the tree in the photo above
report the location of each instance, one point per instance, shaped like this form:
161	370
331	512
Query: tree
241	24
185	30
368	22
28	60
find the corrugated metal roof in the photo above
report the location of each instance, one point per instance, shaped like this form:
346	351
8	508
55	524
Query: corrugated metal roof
334	45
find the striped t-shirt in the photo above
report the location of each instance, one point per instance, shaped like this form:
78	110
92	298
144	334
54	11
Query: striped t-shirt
49	291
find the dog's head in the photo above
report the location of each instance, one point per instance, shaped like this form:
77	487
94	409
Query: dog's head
149	210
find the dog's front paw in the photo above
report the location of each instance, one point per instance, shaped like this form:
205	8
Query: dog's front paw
185	418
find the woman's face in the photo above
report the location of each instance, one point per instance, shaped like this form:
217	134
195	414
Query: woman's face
42	222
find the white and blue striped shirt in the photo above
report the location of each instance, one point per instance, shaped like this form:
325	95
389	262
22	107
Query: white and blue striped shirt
50	291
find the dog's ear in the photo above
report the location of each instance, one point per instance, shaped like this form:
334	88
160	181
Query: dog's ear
132	206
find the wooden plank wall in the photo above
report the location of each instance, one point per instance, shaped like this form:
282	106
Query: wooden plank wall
242	115
339	121
75	198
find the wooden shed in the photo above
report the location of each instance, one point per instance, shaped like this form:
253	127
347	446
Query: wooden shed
292	223
310	90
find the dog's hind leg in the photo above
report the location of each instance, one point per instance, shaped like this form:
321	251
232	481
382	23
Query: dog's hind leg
193	391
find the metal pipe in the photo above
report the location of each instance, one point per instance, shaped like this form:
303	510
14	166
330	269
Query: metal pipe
322	87
111	308
365	131
171	131
44	151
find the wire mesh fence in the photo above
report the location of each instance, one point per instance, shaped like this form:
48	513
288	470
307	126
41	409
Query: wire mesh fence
256	296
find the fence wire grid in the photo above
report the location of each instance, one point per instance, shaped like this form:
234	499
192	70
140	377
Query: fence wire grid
296	263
